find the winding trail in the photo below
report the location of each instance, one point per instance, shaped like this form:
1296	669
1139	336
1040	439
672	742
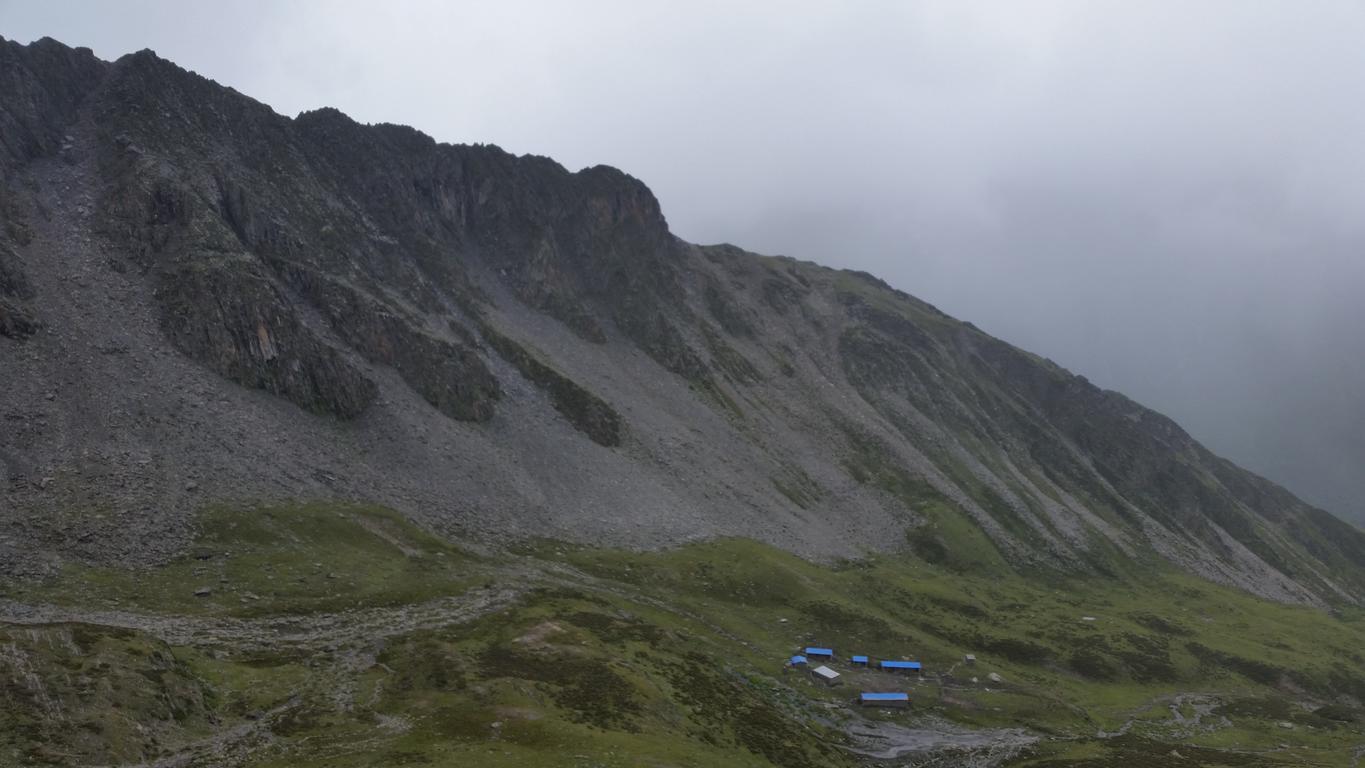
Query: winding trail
322	631
1202	705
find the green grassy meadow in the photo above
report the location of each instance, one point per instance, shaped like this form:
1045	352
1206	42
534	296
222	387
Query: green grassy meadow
674	658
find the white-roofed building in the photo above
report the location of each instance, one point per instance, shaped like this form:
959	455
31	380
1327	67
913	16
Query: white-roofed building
825	675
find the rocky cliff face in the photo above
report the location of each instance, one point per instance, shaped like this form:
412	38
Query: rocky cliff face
203	300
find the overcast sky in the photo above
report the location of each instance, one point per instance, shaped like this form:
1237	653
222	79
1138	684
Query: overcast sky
1163	196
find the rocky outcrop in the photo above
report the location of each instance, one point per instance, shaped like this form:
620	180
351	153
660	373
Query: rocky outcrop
448	374
587	412
582	247
16	322
16	319
226	314
42	86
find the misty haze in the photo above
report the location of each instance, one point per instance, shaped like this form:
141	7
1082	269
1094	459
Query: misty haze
682	384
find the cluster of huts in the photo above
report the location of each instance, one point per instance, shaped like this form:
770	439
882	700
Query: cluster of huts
808	659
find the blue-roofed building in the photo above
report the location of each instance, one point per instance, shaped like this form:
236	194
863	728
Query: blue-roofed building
798	661
900	666
898	700
860	661
824	653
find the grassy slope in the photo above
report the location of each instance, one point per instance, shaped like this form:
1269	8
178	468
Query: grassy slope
673	658
279	560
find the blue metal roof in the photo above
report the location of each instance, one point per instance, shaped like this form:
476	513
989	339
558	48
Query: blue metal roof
819	651
900	665
885	697
859	659
798	659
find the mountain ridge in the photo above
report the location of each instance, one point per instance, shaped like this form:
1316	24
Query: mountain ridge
502	349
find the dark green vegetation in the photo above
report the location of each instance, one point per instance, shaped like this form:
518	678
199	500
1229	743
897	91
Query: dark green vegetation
74	693
623	659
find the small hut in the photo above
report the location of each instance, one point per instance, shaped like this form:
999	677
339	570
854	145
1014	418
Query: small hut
969	659
859	661
896	700
820	653
825	675
797	661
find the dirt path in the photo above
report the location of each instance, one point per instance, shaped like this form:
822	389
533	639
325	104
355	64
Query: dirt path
323	631
936	742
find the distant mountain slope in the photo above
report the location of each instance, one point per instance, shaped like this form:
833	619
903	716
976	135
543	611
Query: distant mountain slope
202	300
